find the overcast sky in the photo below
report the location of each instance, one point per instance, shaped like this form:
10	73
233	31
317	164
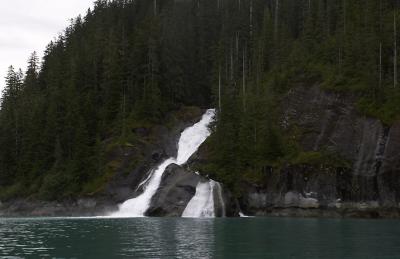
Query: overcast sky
29	25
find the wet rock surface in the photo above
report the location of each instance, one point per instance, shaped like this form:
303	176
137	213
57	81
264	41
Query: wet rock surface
84	207
127	176
367	187
177	188
124	185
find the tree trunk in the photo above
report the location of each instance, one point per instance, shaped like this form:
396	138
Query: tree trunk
344	17
16	134
251	18
244	80
276	18
380	44
340	60
123	110
380	64
255	133
395	51
219	90
237	47
232	65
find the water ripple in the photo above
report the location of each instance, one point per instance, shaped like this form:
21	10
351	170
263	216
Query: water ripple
199	238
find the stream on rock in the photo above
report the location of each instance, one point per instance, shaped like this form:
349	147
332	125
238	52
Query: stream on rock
202	204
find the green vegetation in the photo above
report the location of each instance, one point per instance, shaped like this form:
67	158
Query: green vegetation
320	159
128	62
343	46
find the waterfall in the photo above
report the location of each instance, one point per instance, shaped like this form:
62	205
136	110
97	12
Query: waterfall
190	140
220	198
202	204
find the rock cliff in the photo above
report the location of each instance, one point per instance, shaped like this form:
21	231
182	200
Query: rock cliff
364	183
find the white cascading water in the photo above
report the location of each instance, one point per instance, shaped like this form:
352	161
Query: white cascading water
190	140
220	198
241	214
202	203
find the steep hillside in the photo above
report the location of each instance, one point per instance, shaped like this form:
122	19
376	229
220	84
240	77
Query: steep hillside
306	93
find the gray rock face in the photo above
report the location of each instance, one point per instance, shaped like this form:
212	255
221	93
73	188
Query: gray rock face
34	208
330	122
388	175
124	185
177	188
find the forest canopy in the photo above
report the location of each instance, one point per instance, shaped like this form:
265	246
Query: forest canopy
134	60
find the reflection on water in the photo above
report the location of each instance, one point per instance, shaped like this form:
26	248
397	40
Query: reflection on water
194	238
199	238
105	238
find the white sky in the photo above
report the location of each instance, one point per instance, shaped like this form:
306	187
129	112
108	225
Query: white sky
29	25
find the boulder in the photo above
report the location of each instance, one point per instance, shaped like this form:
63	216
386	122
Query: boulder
178	186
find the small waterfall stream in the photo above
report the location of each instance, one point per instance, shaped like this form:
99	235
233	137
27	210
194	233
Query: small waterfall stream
190	140
220	198
202	204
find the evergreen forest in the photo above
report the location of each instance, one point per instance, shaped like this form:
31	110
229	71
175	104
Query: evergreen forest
130	62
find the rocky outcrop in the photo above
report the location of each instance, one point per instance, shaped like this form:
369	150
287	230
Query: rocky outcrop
129	164
159	142
84	207
178	186
329	122
388	172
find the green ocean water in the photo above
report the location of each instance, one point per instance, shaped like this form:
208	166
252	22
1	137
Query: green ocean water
199	238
